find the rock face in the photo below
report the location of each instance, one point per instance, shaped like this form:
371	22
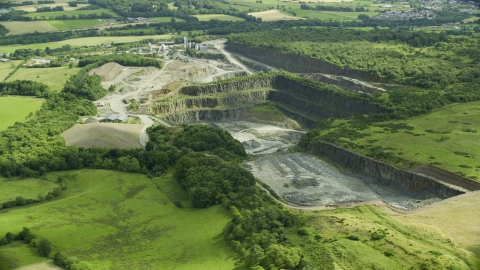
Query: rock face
344	82
299	64
227	101
384	173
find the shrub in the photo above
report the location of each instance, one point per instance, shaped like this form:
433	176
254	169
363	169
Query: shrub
44	247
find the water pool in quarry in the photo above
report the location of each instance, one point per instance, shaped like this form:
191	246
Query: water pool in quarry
306	180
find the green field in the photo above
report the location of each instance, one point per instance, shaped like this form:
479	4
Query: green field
118	220
16	109
6	68
72	24
17	254
12	48
366	237
448	138
221	17
92	41
55	78
53	14
17	28
166	19
26	188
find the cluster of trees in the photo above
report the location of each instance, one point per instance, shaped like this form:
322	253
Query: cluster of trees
23	88
439	66
3	30
50	9
46	37
209	180
333	8
219	142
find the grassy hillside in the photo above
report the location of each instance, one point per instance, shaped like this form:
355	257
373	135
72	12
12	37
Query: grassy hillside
16	109
71	24
447	138
26	188
17	254
366	238
118	220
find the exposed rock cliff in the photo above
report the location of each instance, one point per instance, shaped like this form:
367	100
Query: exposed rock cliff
384	173
303	101
344	83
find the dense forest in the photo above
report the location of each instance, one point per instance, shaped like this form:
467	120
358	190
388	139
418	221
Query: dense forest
423	59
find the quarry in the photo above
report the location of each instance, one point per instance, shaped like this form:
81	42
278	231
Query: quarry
186	92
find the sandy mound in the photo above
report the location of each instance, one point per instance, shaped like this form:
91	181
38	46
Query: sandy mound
41	266
108	135
108	71
273	15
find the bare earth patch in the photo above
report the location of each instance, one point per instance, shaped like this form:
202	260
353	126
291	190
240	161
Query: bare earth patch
108	71
273	15
110	135
41	266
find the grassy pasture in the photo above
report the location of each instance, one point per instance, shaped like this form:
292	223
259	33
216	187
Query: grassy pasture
402	245
12	48
26	188
18	254
17	28
55	78
54	14
118	220
16	109
92	41
166	19
6	68
33	8
448	138
72	24
221	17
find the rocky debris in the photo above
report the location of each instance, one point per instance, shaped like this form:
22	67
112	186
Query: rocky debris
251	144
108	71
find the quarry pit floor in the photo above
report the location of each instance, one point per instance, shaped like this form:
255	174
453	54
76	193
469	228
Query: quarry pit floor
305	180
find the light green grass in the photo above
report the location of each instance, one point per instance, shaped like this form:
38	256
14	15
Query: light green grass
15	109
18	254
166	19
6	68
221	17
55	78
26	188
72	24
92	41
118	220
410	245
17	28
53	14
12	48
448	138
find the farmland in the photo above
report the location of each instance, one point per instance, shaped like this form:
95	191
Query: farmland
18	254
7	67
101	209
16	27
16	109
221	17
53	77
166	19
33	8
72	24
53	14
